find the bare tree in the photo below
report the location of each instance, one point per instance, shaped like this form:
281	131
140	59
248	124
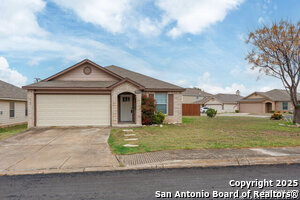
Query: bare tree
276	52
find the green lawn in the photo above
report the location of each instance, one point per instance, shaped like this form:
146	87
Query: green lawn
203	132
10	131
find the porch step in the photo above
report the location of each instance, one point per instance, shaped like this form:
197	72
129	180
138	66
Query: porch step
130	145
131	139
127	130
127	135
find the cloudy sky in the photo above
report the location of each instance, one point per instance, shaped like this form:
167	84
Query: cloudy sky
197	43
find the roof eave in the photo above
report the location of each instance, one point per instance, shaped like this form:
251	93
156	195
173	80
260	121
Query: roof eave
164	90
249	101
66	88
12	99
139	86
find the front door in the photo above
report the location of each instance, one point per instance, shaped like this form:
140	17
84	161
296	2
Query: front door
126	108
268	107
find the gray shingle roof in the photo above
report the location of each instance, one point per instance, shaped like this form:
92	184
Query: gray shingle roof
9	91
202	101
223	98
146	81
195	92
253	100
275	95
70	84
228	98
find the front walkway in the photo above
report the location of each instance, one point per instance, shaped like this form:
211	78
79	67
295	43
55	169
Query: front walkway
56	148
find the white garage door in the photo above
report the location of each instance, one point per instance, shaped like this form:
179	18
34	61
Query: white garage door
73	110
216	107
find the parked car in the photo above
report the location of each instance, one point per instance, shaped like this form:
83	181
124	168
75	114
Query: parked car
204	109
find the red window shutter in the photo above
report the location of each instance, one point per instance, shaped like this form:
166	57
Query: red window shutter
170	104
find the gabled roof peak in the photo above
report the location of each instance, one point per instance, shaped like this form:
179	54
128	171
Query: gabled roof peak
79	64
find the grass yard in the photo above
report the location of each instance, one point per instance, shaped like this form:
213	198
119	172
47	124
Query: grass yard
13	130
203	132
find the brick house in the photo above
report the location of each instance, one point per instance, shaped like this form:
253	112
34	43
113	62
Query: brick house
87	94
264	102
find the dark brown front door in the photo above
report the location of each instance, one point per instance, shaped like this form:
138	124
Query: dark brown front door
268	107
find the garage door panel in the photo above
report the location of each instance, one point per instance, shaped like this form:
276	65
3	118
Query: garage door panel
216	107
251	108
73	110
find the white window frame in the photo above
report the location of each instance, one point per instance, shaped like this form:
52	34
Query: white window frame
12	107
163	104
282	106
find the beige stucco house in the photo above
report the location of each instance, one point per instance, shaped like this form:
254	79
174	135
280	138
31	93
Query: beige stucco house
190	95
13	105
264	102
87	94
223	103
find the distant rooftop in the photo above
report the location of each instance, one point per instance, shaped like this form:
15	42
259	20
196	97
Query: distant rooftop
9	91
223	98
275	95
195	92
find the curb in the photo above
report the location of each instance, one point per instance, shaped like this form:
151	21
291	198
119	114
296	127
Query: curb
250	161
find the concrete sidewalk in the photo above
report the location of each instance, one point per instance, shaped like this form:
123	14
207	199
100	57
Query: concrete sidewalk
214	156
267	116
242	115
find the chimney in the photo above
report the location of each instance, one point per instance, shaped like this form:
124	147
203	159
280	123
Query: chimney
238	93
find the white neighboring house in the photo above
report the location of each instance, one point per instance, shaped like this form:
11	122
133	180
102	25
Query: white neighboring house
13	104
223	103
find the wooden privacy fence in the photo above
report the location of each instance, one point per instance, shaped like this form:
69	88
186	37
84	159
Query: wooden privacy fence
191	109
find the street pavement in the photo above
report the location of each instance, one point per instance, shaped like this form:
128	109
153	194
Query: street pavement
139	184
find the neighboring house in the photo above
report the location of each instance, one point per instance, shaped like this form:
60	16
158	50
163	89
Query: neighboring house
221	102
264	102
13	104
87	94
190	95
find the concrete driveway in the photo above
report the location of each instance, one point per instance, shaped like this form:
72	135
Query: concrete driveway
57	148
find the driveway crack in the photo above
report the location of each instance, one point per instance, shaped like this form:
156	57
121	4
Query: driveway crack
68	158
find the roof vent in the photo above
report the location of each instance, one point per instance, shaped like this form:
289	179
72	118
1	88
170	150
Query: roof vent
36	80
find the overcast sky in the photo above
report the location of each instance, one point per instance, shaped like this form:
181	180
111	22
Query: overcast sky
197	43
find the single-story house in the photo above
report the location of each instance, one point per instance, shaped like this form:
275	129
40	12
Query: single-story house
221	102
87	94
264	102
13	104
190	95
